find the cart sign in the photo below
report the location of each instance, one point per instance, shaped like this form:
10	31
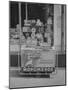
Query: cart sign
37	60
38	69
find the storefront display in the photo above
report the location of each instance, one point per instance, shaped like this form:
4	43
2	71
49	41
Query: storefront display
36	44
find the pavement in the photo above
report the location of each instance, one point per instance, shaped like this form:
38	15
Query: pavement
17	81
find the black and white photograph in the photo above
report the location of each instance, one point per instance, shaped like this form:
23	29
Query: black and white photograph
37	44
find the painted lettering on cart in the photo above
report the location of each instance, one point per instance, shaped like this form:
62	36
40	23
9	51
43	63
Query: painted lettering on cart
38	69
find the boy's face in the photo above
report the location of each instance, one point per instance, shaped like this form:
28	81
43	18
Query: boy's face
33	30
28	38
27	34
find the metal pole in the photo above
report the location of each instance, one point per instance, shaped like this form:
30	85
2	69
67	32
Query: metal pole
20	31
26	12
